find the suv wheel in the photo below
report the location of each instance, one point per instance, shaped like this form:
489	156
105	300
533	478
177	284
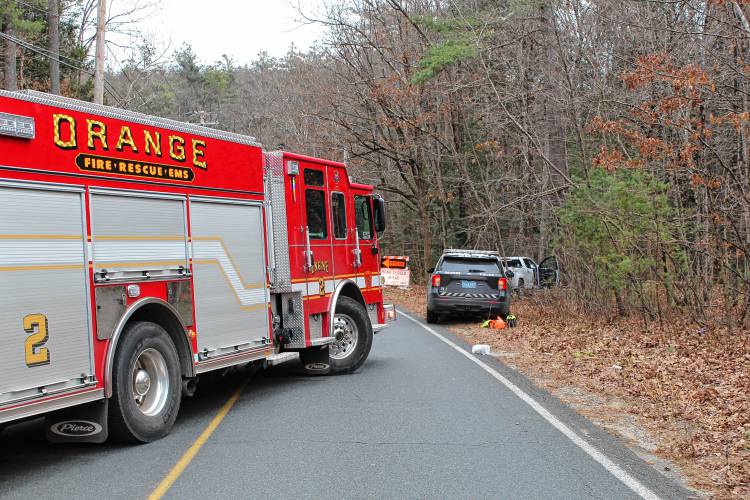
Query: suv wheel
432	317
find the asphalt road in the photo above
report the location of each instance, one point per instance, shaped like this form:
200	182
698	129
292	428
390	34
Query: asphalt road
419	420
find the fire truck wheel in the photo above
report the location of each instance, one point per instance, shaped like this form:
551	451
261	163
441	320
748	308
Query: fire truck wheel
353	332
146	385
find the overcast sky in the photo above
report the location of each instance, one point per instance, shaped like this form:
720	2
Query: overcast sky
239	28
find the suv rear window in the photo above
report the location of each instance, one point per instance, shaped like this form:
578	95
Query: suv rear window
468	266
513	263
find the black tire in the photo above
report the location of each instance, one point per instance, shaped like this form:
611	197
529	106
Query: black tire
432	317
144	343
349	310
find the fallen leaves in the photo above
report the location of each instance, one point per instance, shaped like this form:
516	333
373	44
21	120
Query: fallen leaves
689	388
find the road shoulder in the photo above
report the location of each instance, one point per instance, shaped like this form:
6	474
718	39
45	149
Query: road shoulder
628	466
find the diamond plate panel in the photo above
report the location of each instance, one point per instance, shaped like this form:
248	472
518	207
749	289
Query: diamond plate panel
372	313
316	326
294	320
180	296
282	277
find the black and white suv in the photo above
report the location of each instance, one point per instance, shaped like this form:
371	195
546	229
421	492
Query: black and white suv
468	283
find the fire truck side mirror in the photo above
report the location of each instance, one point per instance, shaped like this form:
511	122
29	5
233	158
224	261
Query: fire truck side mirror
378	204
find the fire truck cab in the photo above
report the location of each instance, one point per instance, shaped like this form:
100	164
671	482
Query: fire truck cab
137	253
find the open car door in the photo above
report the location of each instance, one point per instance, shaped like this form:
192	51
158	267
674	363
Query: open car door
549	272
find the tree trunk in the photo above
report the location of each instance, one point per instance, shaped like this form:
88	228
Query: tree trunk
11	80
555	134
53	20
101	20
426	227
620	303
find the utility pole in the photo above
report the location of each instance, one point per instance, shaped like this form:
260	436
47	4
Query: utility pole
101	20
53	20
11	80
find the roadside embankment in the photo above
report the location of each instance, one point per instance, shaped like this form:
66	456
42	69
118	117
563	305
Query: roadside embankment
676	392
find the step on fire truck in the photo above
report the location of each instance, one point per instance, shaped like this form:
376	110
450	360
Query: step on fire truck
137	253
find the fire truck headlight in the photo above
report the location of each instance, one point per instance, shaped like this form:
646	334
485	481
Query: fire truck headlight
134	291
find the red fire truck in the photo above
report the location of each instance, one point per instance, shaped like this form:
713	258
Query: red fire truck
137	253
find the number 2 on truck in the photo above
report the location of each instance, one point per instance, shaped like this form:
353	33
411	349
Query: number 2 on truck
137	253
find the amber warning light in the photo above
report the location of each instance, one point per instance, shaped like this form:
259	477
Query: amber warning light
17	126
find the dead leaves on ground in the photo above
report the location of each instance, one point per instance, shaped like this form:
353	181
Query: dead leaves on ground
689	387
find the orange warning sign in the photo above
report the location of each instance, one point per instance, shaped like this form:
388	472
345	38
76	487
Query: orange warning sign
394	262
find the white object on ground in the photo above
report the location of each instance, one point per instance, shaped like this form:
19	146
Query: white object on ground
638	488
480	349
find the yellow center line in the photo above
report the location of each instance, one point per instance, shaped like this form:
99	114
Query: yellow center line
191	452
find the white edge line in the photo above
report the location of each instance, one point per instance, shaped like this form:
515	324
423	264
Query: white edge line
597	455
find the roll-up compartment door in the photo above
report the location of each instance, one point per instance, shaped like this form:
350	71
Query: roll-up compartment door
45	328
137	237
231	298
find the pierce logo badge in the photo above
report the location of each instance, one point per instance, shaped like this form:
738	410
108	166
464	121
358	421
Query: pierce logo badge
76	428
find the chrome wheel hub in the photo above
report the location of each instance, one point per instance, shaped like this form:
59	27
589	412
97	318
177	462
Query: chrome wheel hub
142	383
150	382
346	334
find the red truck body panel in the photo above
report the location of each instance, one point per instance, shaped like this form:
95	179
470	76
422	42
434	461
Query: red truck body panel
114	158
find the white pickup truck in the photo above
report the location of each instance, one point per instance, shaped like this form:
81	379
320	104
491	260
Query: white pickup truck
527	274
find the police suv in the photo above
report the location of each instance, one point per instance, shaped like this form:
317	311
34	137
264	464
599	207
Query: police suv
468	283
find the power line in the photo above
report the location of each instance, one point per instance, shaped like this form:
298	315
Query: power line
43	52
40	50
125	74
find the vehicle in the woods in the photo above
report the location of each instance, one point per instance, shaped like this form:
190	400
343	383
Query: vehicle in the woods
137	253
524	272
527	274
548	272
468	283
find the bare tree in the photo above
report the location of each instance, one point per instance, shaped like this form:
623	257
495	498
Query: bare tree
53	22
101	20
11	51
